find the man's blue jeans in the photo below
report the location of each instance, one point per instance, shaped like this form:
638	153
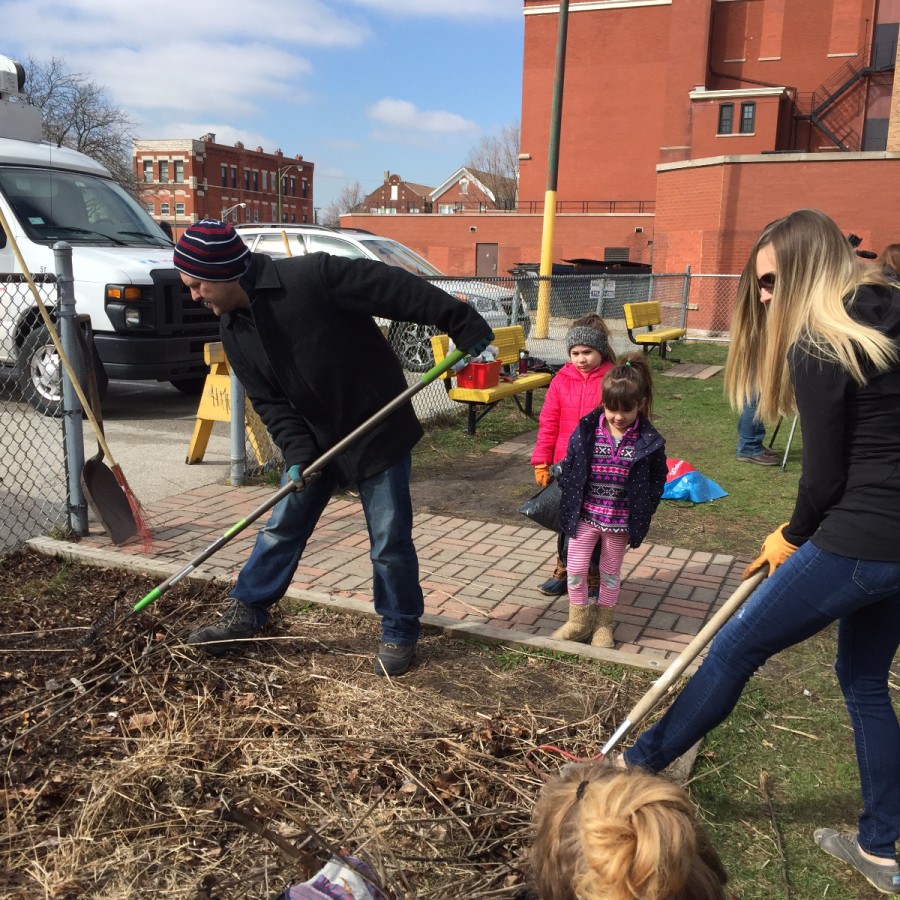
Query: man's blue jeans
809	591
388	508
751	432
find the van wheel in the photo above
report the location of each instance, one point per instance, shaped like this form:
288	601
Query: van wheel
191	386
40	373
412	344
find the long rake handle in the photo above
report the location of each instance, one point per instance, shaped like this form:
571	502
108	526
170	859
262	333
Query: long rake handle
316	466
641	709
51	328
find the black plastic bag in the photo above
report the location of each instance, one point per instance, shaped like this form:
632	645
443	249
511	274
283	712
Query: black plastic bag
543	507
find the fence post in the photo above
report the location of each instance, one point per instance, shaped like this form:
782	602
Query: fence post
238	442
73	437
685	294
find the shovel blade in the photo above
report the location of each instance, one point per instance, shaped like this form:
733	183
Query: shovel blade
108	501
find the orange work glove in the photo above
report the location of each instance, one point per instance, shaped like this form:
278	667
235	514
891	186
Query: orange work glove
542	475
775	550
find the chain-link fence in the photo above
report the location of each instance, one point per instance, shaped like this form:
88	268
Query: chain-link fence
33	491
34	498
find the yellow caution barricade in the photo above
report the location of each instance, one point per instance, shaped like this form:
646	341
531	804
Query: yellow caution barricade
215	406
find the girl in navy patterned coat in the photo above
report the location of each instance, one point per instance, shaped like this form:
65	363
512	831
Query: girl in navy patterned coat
612	480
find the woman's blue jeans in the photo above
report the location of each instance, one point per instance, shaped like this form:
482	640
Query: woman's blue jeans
387	506
805	594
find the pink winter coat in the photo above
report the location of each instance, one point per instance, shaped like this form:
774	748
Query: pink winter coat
569	397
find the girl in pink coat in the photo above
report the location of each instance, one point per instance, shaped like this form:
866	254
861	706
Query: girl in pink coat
573	393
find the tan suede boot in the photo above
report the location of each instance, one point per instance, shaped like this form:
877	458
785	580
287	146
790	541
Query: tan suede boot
580	625
603	627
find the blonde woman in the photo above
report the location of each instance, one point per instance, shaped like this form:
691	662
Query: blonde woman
813	331
603	834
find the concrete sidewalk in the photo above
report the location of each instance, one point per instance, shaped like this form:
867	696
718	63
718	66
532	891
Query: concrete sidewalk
479	578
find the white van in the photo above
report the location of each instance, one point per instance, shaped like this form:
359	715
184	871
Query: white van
144	323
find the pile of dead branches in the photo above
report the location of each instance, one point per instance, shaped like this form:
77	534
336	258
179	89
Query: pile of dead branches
136	767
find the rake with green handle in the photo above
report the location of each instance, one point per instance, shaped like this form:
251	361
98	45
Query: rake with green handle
311	470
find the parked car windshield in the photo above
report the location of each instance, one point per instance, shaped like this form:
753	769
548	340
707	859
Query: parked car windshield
53	205
395	254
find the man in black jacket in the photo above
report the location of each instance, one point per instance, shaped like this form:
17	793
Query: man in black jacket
300	336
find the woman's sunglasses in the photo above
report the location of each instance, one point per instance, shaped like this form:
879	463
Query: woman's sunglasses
767	282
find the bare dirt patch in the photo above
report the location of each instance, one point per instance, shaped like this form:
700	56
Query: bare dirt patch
486	487
135	768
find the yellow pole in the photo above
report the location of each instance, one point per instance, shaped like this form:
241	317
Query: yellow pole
542	323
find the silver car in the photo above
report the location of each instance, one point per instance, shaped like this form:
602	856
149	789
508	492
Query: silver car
411	342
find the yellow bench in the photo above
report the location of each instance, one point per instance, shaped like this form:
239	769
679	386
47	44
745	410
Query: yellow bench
509	341
646	315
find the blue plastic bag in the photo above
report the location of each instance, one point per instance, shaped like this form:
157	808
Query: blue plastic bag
684	482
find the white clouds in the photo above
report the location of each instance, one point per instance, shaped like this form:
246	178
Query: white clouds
206	57
401	115
110	23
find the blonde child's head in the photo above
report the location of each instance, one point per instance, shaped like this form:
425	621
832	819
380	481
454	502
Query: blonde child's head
629	385
607	834
587	343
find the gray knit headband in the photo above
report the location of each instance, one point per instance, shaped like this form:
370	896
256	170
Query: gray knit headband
587	337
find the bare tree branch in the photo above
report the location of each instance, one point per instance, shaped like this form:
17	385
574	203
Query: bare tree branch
496	160
349	200
76	113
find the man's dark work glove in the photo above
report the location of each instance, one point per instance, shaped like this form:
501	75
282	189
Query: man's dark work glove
480	346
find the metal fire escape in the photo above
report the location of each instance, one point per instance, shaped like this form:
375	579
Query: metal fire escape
823	102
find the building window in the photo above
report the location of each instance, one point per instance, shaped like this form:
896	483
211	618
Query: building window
179	209
151	208
224	176
179	171
255	215
748	118
293	218
255	180
464	186
265	178
726	118
164	209
293	186
246	215
148	170
234	176
304	188
163	171
304	218
246	179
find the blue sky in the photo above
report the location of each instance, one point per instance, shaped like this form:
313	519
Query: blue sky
356	86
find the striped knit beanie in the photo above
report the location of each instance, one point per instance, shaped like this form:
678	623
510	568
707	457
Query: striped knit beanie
587	337
211	251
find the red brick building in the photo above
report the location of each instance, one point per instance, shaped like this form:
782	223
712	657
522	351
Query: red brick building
687	126
188	180
398	196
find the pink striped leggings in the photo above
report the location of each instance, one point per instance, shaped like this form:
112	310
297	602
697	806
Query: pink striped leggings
578	558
